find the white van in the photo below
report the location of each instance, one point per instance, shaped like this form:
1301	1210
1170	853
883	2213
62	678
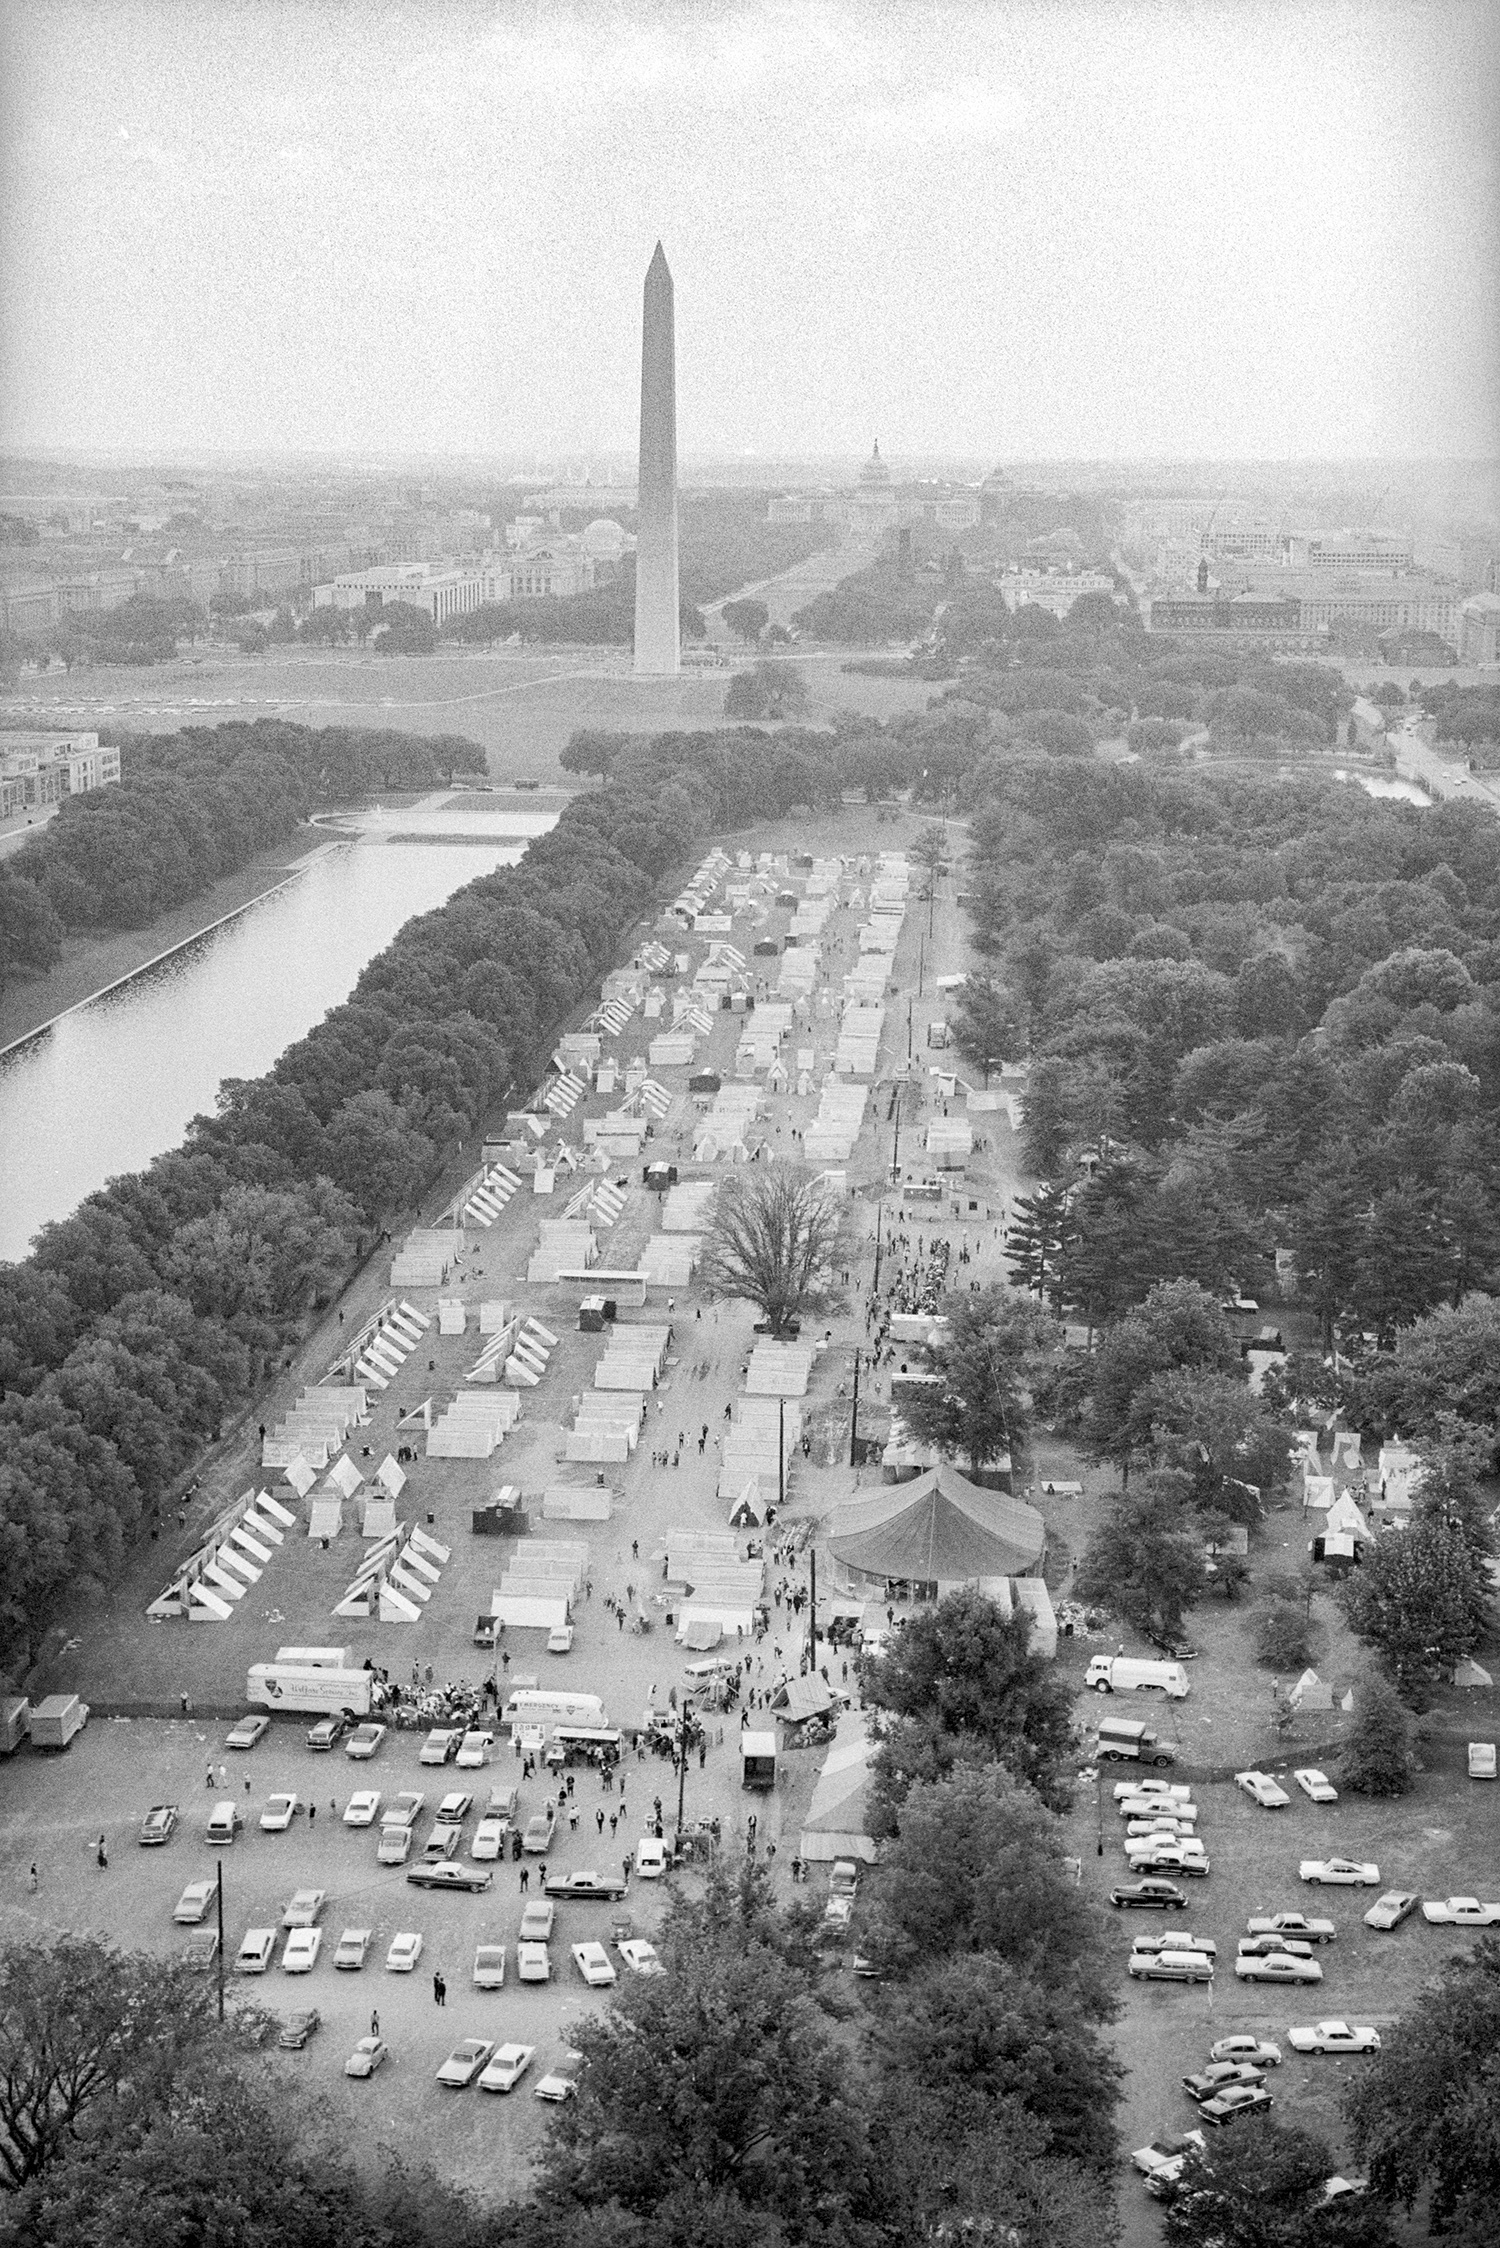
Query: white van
1124	1674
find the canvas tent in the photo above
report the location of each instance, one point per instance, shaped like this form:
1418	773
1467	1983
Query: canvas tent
940	1530
837	1816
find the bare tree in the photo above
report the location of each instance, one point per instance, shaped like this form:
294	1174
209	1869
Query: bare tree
780	1237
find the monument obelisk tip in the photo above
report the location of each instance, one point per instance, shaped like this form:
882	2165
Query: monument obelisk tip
657	646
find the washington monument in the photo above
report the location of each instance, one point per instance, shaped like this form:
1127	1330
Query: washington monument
656	623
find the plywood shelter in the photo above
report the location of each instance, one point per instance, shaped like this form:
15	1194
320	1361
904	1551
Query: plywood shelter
941	1532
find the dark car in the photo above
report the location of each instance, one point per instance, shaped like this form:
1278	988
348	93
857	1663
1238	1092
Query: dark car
1234	2101
604	1886
329	1731
450	1874
1147	1896
158	1826
1176	1650
299	2028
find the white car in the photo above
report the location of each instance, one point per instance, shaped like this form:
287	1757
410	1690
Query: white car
506	2068
1262	1789
1176	1939
363	1808
352	1946
556	2086
489	1967
1316	1784
404	1953
1179	1807
405	1810
1179	1792
192	1905
464	2063
254	1954
395	1845
1259	2051
533	1963
651	1859
594	1964
279	1813
489	1839
1277	1967
304	1908
1462	1912
1176	1829
1333	2037
640	1957
1344	1873
364	1741
301	1953
475	1750
537	1919
441	1743
367	2057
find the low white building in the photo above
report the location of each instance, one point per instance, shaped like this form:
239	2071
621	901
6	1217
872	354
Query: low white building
442	590
1052	590
41	768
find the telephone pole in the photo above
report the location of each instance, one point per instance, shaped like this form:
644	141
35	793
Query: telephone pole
219	1894
854	1415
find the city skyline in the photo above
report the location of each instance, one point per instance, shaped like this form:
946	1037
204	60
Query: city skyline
1071	232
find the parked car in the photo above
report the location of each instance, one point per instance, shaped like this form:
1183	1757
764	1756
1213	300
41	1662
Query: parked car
1174	1829
506	2067
540	1828
556	2085
405	1951
1340	1873
489	1839
1174	1939
455	1808
1462	1912
298	2029
158	1826
364	1741
652	1858
1219	2075
560	1640
441	1844
301	1953
1160	2163
1167	1855
501	1802
192	1906
588	1884
1243	2047
464	2063
202	1951
1175	1790
279	1813
594	1964
1179	1807
395	1846
1235	2101
304	1908
224	1822
1333	2037
441	1745
1262	1789
838	1912
328	1732
1291	1924
1481	1760
450	1875
640	1957
363	1807
533	1963
257	1947
404	1810
1147	1896
537	1919
1261	1947
369	2054
1316	1784
1277	1967
474	1750
1389	1911
1170	1967
248	1731
352	1946
489	1967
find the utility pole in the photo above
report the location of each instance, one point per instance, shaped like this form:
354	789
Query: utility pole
682	1757
812	1611
879	1243
219	1890
908	1033
896	1144
854	1413
780	1456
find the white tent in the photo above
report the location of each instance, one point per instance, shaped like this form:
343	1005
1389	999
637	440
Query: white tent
836	1817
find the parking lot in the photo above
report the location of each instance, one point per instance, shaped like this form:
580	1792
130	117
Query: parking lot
1439	1841
55	1807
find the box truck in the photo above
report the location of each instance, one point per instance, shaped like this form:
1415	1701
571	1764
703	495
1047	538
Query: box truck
1124	1674
15	1722
57	1719
315	1687
758	1760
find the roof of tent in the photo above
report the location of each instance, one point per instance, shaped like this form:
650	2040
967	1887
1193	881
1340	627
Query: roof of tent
939	1529
842	1787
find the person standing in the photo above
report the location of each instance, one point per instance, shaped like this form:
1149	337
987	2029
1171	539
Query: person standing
439	1990
101	1854
375	2023
33	1879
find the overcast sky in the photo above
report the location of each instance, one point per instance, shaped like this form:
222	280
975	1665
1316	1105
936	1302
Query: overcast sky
1083	227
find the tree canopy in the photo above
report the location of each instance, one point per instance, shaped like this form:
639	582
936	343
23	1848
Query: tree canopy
778	1238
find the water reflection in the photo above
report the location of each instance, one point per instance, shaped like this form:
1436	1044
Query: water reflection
118	1081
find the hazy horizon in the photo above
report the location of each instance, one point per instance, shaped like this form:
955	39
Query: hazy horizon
1146	232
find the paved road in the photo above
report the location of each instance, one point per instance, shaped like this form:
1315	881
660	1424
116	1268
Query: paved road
1416	757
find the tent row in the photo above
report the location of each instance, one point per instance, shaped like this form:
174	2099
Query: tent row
633	1359
833	1131
426	1257
762	1427
472	1426
396	1578
606	1426
860	1029
563	1245
317	1425
489	1194
779	1369
384	1353
208	1585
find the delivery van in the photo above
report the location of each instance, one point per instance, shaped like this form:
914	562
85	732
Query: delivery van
758	1760
315	1687
1121	1740
1125	1674
540	1708
55	1721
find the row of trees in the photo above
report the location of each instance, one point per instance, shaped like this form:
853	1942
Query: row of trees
188	808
